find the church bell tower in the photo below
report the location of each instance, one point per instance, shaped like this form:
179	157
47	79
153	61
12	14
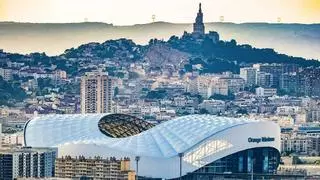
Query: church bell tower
198	26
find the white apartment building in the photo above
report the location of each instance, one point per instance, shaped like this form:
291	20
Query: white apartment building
294	143
27	162
264	79
266	92
213	106
288	110
235	84
218	87
249	75
208	85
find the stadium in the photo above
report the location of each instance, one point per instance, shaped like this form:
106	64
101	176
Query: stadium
179	147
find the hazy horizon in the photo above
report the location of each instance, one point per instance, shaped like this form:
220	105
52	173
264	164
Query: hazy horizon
53	39
121	12
55	25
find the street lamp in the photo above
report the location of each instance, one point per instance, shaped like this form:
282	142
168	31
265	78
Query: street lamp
137	166
180	157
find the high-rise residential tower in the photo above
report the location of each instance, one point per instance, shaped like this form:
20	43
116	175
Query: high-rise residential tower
96	93
198	26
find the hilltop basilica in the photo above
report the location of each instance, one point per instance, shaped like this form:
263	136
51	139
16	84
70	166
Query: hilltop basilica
199	30
198	26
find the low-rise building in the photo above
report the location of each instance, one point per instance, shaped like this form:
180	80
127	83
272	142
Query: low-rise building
266	92
313	115
61	74
314	146
96	168
235	84
288	110
291	143
6	74
12	139
213	106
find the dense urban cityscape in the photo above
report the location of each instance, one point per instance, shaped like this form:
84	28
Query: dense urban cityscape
156	92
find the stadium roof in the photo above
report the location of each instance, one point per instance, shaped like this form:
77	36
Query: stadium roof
164	140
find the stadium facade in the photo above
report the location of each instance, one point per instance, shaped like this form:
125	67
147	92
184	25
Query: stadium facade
194	143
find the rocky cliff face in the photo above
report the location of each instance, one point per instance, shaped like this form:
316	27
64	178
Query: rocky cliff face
162	56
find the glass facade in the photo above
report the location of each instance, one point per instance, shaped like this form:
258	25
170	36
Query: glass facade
197	157
262	160
6	166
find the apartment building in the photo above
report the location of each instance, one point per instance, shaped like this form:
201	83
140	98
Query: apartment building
96	168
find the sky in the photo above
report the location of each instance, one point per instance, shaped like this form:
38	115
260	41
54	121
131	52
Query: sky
128	12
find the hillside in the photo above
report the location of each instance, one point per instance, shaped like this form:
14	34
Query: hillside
10	93
178	54
292	39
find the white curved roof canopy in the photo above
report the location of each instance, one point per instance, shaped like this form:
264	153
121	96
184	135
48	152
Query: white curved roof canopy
162	141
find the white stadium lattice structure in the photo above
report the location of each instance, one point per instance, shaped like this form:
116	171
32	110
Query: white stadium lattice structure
201	142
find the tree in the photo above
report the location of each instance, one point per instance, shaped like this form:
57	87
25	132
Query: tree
10	92
44	82
204	111
159	94
230	96
120	74
133	75
242	111
116	91
188	68
233	43
185	113
208	46
230	51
